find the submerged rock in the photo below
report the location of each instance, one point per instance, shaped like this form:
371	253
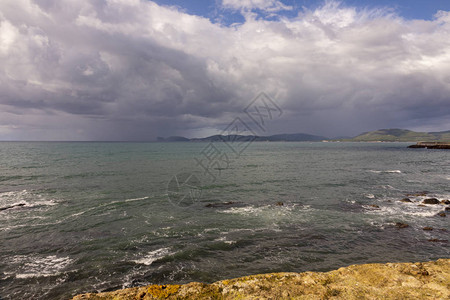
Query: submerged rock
428	280
12	206
427	228
445	201
406	200
280	203
374	206
431	201
441	214
222	204
401	225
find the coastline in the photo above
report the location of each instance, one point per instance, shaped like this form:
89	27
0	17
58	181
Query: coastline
420	280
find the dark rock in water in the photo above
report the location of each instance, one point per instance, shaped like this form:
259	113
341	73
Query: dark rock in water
374	206
427	228
431	145
447	208
445	201
223	204
415	146
401	225
219	204
431	201
12	206
418	194
441	214
438	241
421	205
280	203
406	200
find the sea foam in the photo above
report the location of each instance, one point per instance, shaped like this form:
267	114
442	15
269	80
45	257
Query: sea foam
39	266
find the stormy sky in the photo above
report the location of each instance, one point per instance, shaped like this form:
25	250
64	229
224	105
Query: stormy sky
135	70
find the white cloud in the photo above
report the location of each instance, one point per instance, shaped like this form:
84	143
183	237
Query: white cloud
134	70
265	5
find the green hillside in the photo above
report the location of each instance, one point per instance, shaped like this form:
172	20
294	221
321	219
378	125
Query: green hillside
402	135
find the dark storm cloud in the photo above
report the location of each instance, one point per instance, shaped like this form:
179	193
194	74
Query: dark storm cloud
130	70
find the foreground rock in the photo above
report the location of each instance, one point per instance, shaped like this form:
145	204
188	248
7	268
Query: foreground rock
431	201
428	280
401	225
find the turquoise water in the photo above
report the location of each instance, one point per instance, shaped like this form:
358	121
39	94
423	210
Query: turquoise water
96	216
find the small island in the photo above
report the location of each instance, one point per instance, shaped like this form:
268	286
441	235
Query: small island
431	145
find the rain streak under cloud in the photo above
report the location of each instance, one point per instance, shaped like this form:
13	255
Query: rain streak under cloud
134	70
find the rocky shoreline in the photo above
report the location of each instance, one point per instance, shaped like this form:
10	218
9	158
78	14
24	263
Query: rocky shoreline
423	280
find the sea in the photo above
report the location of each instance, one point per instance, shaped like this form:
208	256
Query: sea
79	217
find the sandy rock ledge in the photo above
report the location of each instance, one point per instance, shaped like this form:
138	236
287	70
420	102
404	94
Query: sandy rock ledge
427	280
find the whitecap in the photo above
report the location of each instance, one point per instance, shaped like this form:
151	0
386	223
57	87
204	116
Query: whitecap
13	194
33	266
44	203
408	209
136	199
20	199
370	196
13	198
389	187
224	240
386	171
246	210
152	256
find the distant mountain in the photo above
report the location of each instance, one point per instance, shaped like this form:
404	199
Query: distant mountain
219	138
296	137
381	135
173	139
401	135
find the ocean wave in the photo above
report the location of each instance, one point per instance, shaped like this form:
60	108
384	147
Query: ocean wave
153	256
34	266
136	199
389	187
385	171
224	240
24	198
270	209
406	209
441	196
246	210
8	198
